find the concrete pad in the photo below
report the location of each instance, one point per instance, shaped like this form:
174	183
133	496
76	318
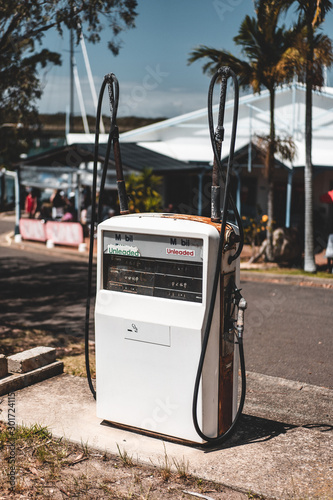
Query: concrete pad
3	366
266	456
31	359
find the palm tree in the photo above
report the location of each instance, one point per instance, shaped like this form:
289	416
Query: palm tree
311	55
264	45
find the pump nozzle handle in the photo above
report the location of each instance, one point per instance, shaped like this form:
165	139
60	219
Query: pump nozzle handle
240	317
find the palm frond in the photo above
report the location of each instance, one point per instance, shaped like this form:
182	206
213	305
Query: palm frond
313	12
219	58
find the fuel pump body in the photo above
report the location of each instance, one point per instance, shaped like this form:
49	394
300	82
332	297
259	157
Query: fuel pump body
154	274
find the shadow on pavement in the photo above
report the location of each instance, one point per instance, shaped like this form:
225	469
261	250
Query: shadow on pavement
253	429
50	296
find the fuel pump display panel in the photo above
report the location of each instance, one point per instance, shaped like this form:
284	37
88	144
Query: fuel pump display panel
156	278
153	265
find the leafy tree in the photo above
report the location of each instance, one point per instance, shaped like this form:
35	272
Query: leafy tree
142	190
312	51
264	45
23	24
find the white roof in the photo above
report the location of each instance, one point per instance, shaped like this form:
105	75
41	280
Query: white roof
76	138
186	137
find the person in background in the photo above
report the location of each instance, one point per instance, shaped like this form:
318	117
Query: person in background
71	206
68	216
106	209
59	203
31	204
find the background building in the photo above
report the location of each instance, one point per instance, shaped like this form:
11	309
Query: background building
186	138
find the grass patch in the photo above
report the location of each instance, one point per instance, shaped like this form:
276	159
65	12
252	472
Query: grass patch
126	459
46	467
14	339
181	467
69	348
35	433
291	272
76	365
17	338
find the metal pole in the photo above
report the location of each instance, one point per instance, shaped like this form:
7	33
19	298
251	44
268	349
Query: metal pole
71	99
200	178
249	158
16	176
91	80
81	101
2	188
17	203
78	196
289	190
67	121
238	194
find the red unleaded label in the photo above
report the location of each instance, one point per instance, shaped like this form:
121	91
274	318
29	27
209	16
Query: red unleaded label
180	252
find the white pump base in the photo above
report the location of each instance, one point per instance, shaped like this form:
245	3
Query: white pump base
149	338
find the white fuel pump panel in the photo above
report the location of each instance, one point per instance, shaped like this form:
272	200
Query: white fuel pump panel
154	276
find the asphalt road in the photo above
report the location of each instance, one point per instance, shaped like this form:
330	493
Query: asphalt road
288	328
41	291
289	331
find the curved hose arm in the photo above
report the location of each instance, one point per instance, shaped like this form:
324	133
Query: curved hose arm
216	138
111	81
224	73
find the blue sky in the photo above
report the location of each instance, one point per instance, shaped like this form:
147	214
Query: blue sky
155	79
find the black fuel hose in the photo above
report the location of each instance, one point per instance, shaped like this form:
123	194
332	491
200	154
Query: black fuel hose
222	72
113	88
226	72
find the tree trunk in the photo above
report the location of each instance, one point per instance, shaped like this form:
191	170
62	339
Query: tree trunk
309	262
270	176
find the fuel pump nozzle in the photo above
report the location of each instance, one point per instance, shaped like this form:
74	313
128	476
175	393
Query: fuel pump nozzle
240	317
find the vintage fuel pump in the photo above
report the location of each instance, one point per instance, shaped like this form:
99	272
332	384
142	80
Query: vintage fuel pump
169	315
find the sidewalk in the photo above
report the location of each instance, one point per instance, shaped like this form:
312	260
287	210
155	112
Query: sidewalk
283	447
